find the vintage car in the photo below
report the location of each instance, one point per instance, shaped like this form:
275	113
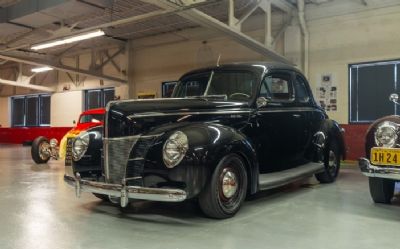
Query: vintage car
43	149
226	133
382	161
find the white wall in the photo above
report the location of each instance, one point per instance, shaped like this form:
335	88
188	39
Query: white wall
4	112
65	108
339	41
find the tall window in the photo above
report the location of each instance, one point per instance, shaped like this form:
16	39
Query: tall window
30	110
98	98
370	87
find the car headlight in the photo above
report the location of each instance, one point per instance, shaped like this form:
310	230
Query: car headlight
80	145
53	143
386	134
175	149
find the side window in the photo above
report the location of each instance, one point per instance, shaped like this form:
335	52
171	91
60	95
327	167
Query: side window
277	88
300	90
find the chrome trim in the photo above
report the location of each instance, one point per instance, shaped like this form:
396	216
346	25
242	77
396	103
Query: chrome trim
371	170
131	137
125	192
136	159
288	109
159	114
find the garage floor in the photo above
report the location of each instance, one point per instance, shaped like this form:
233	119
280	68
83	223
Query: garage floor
37	210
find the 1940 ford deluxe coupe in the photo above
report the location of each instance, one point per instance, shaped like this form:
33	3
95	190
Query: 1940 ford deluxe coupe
229	131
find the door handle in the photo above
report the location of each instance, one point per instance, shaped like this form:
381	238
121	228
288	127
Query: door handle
296	115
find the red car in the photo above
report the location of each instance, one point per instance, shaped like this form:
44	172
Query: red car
43	149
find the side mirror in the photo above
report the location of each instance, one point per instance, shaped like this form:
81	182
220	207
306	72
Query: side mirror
394	97
74	122
261	102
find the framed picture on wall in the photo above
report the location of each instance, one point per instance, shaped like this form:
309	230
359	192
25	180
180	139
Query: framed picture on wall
167	87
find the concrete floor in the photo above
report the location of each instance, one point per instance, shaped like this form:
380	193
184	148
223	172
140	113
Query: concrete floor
37	210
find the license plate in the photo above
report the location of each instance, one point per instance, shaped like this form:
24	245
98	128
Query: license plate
385	156
68	152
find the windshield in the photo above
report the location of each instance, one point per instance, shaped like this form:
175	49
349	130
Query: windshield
91	118
229	85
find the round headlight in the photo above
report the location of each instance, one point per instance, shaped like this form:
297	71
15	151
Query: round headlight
53	142
386	134
175	149
80	145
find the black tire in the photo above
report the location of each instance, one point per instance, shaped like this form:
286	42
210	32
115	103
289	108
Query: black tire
35	150
102	197
331	163
381	189
220	204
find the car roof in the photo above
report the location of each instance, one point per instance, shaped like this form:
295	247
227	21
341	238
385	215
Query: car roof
94	111
261	66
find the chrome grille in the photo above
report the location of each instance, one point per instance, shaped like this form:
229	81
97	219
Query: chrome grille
135	168
116	157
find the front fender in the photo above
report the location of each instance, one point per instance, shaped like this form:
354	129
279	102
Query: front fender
370	135
208	144
334	132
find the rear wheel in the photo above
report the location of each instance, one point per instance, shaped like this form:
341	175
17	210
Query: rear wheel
331	163
225	193
381	189
40	150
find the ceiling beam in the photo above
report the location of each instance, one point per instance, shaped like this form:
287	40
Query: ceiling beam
59	66
208	21
27	85
283	5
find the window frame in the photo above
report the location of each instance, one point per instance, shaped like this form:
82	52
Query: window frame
395	62
292	99
38	117
102	97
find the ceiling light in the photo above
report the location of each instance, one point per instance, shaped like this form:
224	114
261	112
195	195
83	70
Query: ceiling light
41	69
69	39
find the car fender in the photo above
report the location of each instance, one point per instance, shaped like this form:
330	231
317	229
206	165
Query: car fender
334	132
370	134
208	144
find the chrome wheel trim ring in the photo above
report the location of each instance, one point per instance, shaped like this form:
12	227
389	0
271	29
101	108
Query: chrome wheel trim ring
229	183
43	153
332	163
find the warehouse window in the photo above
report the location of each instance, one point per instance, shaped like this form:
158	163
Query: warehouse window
30	110
370	87
98	98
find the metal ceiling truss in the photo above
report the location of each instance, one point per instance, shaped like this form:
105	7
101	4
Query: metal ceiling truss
24	81
233	26
56	63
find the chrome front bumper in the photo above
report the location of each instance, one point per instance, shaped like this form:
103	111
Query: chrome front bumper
371	170
124	192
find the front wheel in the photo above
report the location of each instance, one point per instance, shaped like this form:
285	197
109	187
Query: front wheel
331	164
40	150
381	189
224	194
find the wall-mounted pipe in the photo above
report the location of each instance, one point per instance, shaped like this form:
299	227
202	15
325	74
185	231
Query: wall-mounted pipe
304	31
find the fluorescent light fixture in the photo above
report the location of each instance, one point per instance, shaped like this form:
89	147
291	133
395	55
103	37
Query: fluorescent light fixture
41	69
69	39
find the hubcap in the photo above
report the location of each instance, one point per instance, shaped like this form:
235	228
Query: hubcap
332	162
229	183
44	151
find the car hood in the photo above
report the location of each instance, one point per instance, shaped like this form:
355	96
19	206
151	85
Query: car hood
140	116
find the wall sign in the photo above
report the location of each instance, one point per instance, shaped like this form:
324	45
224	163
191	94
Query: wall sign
327	92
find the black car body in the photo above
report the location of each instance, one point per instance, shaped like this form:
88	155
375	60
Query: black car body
229	131
382	161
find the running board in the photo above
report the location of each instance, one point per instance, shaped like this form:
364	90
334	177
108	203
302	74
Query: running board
278	179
